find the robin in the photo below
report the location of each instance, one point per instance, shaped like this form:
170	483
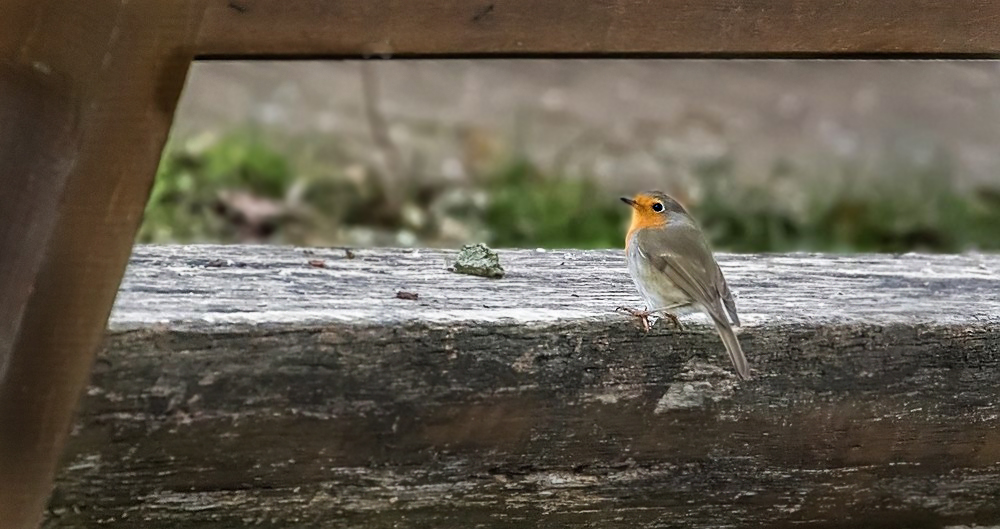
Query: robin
674	270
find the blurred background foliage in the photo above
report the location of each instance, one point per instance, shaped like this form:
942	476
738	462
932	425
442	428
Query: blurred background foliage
251	182
239	188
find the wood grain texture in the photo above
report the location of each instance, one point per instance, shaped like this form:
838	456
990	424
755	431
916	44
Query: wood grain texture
87	92
773	28
246	387
36	144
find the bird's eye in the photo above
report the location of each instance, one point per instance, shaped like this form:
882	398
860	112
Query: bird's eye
657	207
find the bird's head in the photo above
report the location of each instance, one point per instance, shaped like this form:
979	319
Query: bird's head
652	209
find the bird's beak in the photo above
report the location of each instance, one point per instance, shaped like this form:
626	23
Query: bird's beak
628	201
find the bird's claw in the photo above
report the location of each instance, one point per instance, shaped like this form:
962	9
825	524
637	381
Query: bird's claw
641	314
673	319
644	315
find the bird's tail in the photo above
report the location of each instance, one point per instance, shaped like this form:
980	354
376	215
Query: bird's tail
732	347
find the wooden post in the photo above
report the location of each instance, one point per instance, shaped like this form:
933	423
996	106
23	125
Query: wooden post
87	93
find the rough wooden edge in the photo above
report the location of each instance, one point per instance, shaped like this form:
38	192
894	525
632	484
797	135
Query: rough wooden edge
208	286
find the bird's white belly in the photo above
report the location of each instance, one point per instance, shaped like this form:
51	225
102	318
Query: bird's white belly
656	289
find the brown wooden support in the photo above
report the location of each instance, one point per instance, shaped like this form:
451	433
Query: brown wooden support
675	28
87	92
88	89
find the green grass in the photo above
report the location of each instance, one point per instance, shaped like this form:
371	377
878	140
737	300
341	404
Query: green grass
896	207
184	205
530	209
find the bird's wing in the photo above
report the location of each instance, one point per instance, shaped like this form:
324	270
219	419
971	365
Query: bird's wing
685	257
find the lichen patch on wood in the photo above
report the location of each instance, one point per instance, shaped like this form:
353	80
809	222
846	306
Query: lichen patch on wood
479	260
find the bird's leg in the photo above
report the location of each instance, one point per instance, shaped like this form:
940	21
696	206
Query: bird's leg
643	316
673	319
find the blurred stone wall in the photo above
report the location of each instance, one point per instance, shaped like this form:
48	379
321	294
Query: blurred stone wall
629	122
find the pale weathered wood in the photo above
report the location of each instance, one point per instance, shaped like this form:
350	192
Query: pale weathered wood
244	386
703	28
202	287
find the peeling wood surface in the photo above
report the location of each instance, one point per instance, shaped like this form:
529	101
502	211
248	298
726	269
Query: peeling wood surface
199	287
246	387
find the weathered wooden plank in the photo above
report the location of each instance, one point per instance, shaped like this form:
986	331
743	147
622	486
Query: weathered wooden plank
243	386
202	287
774	28
87	91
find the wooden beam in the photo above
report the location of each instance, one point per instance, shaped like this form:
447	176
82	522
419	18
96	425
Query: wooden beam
246	387
87	92
702	28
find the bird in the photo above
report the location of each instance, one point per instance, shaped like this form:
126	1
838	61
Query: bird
675	271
